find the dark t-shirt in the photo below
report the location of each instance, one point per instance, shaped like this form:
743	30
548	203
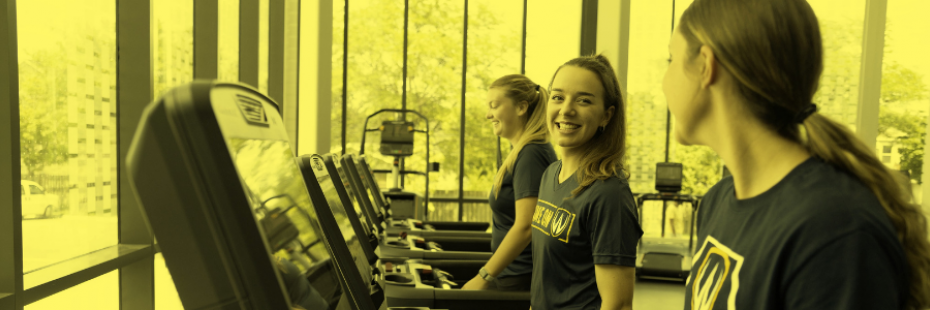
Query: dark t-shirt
522	182
819	239
571	235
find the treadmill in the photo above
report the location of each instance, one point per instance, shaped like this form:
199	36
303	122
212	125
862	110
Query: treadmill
212	168
380	208
660	255
405	245
405	282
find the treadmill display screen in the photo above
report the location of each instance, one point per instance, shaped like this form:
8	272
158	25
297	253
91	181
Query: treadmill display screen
366	223
368	176
279	198
339	212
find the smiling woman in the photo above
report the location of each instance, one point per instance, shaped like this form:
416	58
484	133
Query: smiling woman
585	225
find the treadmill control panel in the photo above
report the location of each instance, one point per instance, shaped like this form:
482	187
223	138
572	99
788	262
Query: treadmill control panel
415	273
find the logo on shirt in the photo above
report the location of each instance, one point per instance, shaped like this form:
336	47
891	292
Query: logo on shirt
714	276
553	221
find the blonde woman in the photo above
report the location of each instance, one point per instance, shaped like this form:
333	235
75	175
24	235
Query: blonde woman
809	219
516	109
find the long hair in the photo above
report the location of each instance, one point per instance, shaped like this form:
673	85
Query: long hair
605	152
519	88
773	50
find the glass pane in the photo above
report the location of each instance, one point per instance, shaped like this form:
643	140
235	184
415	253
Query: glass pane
335	135
100	293
68	111
166	295
263	46
172	43
434	88
905	95
646	110
495	30
553	36
375	77
228	40
841	24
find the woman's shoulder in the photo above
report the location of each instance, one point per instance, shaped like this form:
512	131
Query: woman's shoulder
539	154
609	189
544	148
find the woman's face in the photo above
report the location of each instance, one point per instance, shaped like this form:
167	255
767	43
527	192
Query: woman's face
504	114
680	86
576	107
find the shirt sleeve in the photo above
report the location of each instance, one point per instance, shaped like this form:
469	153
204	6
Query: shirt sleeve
852	272
612	226
528	172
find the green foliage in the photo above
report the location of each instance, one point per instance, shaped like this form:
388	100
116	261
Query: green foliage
902	87
43	127
434	82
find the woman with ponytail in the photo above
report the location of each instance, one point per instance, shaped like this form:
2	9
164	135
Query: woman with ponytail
585	227
517	110
809	219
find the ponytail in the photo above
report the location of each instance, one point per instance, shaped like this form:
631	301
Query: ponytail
519	88
838	146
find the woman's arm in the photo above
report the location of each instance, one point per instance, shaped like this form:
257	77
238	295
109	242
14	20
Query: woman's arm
615	285
514	242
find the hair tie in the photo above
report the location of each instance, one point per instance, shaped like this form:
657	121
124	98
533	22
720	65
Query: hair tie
801	116
537	87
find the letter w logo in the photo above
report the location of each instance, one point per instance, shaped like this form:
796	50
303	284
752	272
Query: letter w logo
561	224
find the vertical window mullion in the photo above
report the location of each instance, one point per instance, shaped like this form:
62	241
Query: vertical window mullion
11	241
135	88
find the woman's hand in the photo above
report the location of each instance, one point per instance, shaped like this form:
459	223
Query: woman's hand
476	283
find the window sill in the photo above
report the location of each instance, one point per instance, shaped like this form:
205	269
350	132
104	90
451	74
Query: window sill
52	279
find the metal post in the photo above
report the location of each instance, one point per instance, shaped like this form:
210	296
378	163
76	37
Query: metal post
870	72
588	27
134	91
206	42
11	241
248	42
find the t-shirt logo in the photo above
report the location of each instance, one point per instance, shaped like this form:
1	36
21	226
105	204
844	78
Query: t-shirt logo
562	220
553	221
715	276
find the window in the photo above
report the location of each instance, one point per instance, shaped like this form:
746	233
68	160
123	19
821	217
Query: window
841	23
172	43
646	111
494	49
166	294
228	40
375	73
434	88
905	94
67	80
553	37
100	293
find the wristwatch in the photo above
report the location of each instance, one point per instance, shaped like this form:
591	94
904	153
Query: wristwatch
483	273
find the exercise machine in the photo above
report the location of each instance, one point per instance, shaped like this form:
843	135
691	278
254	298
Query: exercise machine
661	254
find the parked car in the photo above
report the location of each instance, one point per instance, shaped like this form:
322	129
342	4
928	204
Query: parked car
37	203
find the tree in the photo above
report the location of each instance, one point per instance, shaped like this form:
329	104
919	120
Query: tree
43	126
